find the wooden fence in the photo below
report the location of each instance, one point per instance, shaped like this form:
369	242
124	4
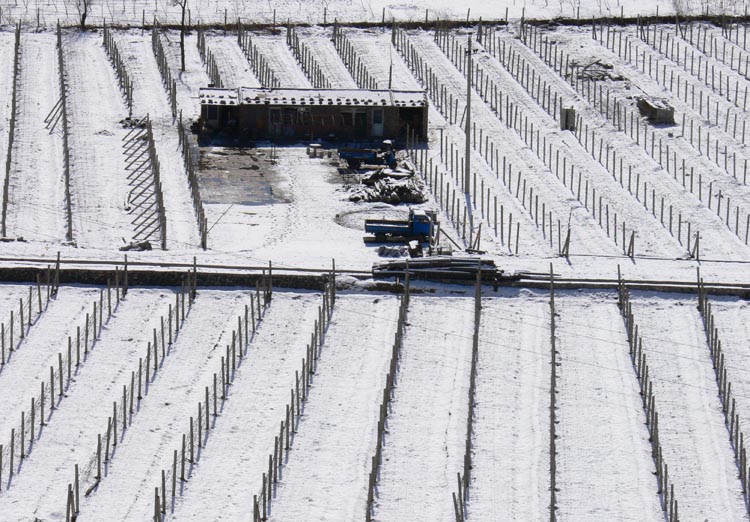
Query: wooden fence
138	389
60	377
354	64
616	110
162	61
12	336
461	495
450	164
144	177
674	222
716	150
557	160
552	399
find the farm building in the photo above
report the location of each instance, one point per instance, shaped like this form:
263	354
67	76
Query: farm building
249	114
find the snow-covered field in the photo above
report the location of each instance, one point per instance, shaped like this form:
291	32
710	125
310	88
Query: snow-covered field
309	203
133	12
604	463
280	204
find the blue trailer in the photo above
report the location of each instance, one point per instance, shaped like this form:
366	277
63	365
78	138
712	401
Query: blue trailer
420	225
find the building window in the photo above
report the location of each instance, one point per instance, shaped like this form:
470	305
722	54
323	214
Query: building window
347	119
377	116
212	112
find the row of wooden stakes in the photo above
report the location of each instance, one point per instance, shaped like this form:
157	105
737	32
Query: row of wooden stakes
728	407
640	365
11	129
59	378
113	51
548	53
463	479
388	390
162	61
199	426
299	394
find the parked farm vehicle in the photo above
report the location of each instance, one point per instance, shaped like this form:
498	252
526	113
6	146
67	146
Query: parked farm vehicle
420	226
355	158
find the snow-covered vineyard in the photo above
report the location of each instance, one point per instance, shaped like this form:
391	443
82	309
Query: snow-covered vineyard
79	173
232	373
195	404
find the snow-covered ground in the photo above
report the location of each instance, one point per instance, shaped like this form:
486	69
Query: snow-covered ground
692	432
134	12
604	455
256	405
512	405
88	403
309	221
423	448
98	180
326	476
604	463
277	203
36	204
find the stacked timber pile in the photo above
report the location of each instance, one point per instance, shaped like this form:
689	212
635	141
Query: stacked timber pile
389	186
439	268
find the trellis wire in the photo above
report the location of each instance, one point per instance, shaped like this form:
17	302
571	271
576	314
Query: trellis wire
601	100
490	150
613	40
560	63
137	386
299	393
354	64
162	62
460	497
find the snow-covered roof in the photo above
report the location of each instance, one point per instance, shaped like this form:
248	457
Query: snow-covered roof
299	97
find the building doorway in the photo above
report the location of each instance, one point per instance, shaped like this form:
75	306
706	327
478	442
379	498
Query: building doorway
377	122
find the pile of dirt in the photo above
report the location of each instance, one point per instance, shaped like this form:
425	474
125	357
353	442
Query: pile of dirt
392	187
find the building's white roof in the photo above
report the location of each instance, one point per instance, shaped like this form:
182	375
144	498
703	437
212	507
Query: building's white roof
320	97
